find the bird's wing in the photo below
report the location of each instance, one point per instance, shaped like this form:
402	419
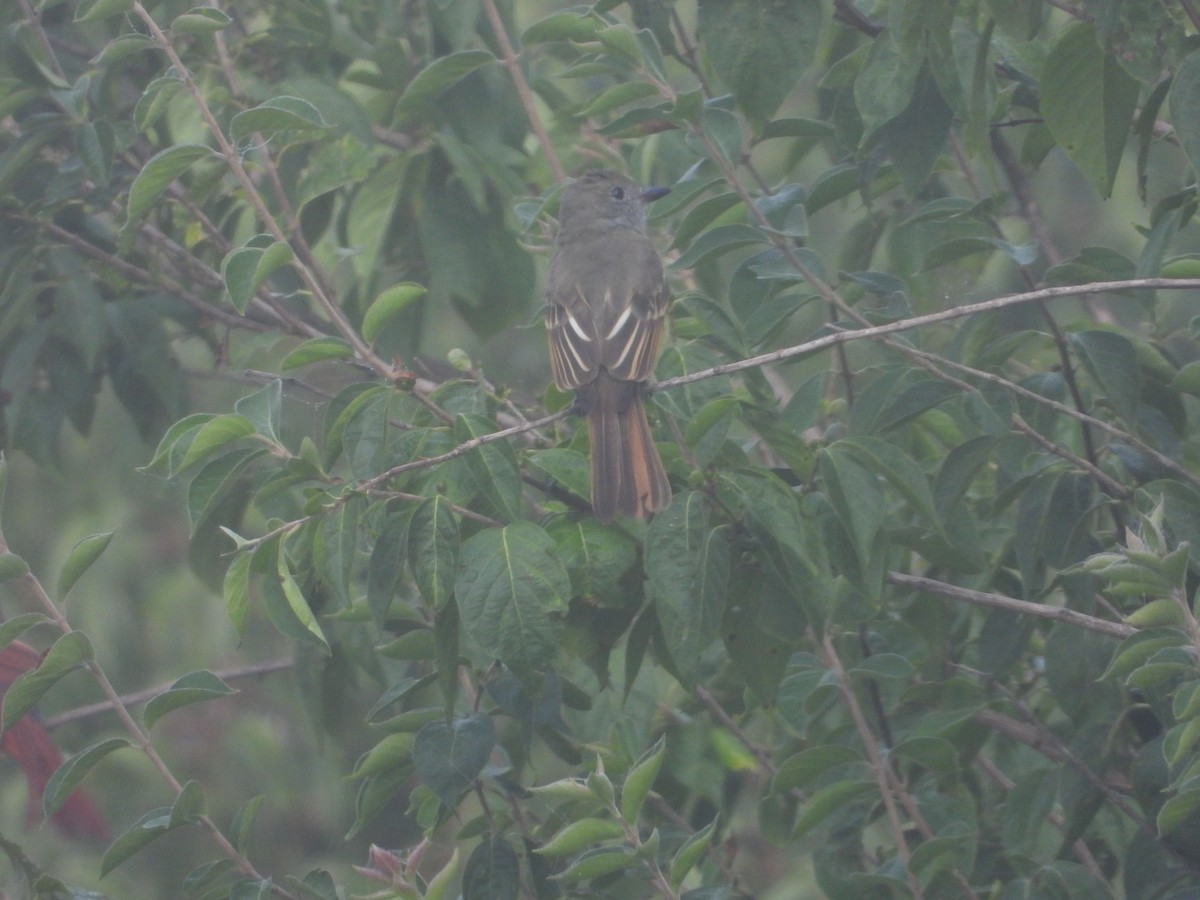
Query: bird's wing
634	311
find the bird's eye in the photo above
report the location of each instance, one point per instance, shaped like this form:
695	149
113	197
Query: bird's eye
617	193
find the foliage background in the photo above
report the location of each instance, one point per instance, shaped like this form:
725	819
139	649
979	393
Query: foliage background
315	230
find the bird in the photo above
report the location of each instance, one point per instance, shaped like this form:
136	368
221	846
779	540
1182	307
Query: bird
606	306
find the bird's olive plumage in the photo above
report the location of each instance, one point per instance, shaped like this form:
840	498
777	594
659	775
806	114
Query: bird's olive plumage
607	300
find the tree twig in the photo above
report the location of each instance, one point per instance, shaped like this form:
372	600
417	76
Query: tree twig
1011	604
513	64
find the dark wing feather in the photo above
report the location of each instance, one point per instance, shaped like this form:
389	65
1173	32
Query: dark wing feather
574	347
632	322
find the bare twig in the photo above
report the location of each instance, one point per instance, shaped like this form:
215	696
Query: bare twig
879	767
137	698
1006	784
946	315
513	64
1012	604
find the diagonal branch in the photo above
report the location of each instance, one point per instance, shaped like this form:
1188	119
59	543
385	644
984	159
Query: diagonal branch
513	64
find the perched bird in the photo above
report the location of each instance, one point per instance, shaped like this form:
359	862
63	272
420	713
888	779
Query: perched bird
607	300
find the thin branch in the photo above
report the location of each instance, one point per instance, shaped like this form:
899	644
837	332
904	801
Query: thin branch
1110	485
35	22
137	698
1071	9
1112	430
1189	7
878	766
513	64
234	162
759	753
1006	784
849	14
135	273
946	315
295	232
140	738
1011	604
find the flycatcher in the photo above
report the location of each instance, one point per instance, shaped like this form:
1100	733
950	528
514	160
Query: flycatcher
607	299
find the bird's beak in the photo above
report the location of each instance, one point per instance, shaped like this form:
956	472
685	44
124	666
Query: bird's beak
650	194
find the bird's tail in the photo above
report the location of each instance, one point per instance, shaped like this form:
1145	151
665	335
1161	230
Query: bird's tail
628	478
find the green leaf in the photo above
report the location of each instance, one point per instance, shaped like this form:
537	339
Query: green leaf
335	545
194	687
801	128
596	864
436	78
214	482
493	466
706	213
1184	102
68	776
200	20
570	468
387	561
492	872
263	409
386	305
94	141
688	566
93	10
1112	360
12	566
596	556
828	801
639	780
1179	809
158	173
154	101
66	655
80	559
803	769
317	350
1088	101
293	617
884	665
580	834
392	753
188	806
235	589
717	241
246	268
563	26
13	628
450	756
511	592
689	853
153	824
619	94
243	822
759	50
899	469
397	691
212	436
855	497
433	548
277	114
